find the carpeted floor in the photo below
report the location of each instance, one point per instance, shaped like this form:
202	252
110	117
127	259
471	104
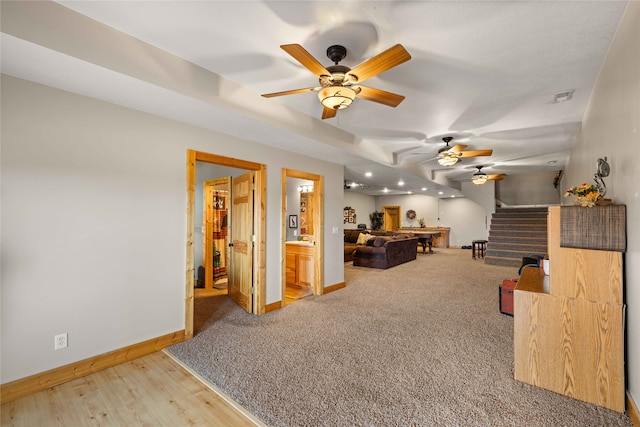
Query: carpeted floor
420	344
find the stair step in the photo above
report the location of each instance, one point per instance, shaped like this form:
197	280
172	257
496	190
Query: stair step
537	239
518	232
505	262
530	228
524	220
498	214
527	225
516	254
504	246
542	209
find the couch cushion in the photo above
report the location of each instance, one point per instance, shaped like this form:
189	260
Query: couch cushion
351	236
381	240
362	238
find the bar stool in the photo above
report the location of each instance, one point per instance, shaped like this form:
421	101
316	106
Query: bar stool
480	246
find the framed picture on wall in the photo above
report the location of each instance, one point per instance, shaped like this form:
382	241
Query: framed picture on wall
293	221
218	202
349	216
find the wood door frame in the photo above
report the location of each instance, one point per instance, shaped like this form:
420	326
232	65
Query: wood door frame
318	229
259	223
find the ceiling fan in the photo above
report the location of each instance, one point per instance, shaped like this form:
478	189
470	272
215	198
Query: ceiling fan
480	177
449	156
340	85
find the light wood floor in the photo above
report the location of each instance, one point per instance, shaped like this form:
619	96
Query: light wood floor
154	390
295	293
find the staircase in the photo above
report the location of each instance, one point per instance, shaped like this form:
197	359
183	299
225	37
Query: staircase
515	233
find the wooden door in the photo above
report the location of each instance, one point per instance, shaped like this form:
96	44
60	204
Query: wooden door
391	217
241	263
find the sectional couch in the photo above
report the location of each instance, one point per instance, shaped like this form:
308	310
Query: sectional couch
382	250
351	241
386	251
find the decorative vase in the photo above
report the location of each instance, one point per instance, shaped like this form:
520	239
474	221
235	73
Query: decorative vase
585	202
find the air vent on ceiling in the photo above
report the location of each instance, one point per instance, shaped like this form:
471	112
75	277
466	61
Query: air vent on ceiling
563	96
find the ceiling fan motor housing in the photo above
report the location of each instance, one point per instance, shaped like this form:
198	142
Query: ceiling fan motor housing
338	76
336	53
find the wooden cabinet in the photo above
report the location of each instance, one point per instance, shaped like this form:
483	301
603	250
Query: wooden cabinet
299	264
443	240
569	326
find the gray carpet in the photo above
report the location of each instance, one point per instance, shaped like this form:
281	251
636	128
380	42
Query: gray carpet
420	344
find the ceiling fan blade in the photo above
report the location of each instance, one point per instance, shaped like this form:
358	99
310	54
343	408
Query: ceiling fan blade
301	55
378	95
496	176
391	57
291	92
458	148
328	113
476	153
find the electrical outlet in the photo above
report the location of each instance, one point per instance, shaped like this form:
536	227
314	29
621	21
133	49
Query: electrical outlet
60	341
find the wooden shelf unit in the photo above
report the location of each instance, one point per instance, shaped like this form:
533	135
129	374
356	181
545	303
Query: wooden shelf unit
569	335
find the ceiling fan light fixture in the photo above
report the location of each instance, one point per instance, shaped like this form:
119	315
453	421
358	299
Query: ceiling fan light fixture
447	160
479	178
336	97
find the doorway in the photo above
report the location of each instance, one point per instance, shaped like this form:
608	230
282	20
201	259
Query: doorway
213	270
302	234
391	217
253	300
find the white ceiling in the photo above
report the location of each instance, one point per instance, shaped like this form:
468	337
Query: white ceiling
483	72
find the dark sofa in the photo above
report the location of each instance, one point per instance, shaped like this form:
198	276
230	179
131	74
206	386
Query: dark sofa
386	251
351	240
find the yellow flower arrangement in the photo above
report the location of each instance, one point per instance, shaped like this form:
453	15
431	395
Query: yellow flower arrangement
587	194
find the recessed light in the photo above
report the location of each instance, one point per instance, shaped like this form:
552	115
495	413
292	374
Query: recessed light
440	192
424	188
563	96
409	192
368	174
401	183
453	195
386	190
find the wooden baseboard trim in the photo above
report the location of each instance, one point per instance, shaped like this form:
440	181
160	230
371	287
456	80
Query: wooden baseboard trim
632	411
332	288
44	380
272	307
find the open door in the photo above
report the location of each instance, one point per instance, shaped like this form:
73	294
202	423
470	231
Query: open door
241	263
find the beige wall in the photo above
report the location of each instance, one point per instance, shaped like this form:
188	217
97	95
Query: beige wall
364	205
529	189
611	127
94	223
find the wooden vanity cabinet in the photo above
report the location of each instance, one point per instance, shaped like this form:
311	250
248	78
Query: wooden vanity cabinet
299	265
